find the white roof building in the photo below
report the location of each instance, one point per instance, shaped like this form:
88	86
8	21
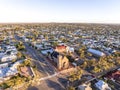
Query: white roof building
70	49
2	52
9	71
46	51
101	85
8	58
4	65
95	52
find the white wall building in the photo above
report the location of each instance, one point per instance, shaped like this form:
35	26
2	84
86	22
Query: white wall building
101	85
4	65
8	58
95	52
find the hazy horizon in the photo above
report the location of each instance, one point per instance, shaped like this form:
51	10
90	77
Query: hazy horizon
60	11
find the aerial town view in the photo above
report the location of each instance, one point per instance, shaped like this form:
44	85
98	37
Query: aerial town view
59	45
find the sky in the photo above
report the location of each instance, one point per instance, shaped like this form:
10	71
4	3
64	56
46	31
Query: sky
85	11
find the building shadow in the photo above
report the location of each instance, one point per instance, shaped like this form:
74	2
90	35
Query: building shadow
32	88
63	81
54	85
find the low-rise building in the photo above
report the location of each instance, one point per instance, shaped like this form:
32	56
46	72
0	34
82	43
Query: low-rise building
84	87
61	48
47	51
9	71
61	61
101	85
4	65
95	52
26	71
6	58
64	48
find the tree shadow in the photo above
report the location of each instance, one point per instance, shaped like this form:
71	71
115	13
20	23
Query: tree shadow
54	85
32	88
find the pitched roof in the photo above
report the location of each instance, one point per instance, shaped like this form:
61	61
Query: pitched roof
61	47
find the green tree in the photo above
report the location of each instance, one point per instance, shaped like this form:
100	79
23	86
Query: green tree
71	88
19	55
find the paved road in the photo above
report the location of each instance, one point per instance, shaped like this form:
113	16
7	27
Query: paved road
46	67
52	80
43	65
115	85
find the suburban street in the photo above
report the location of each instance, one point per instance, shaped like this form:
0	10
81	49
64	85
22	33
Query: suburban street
43	66
50	77
54	83
60	45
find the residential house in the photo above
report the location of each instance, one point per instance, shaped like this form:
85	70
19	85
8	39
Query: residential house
95	52
9	71
2	53
6	58
26	71
61	48
64	48
101	85
47	51
84	87
4	65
